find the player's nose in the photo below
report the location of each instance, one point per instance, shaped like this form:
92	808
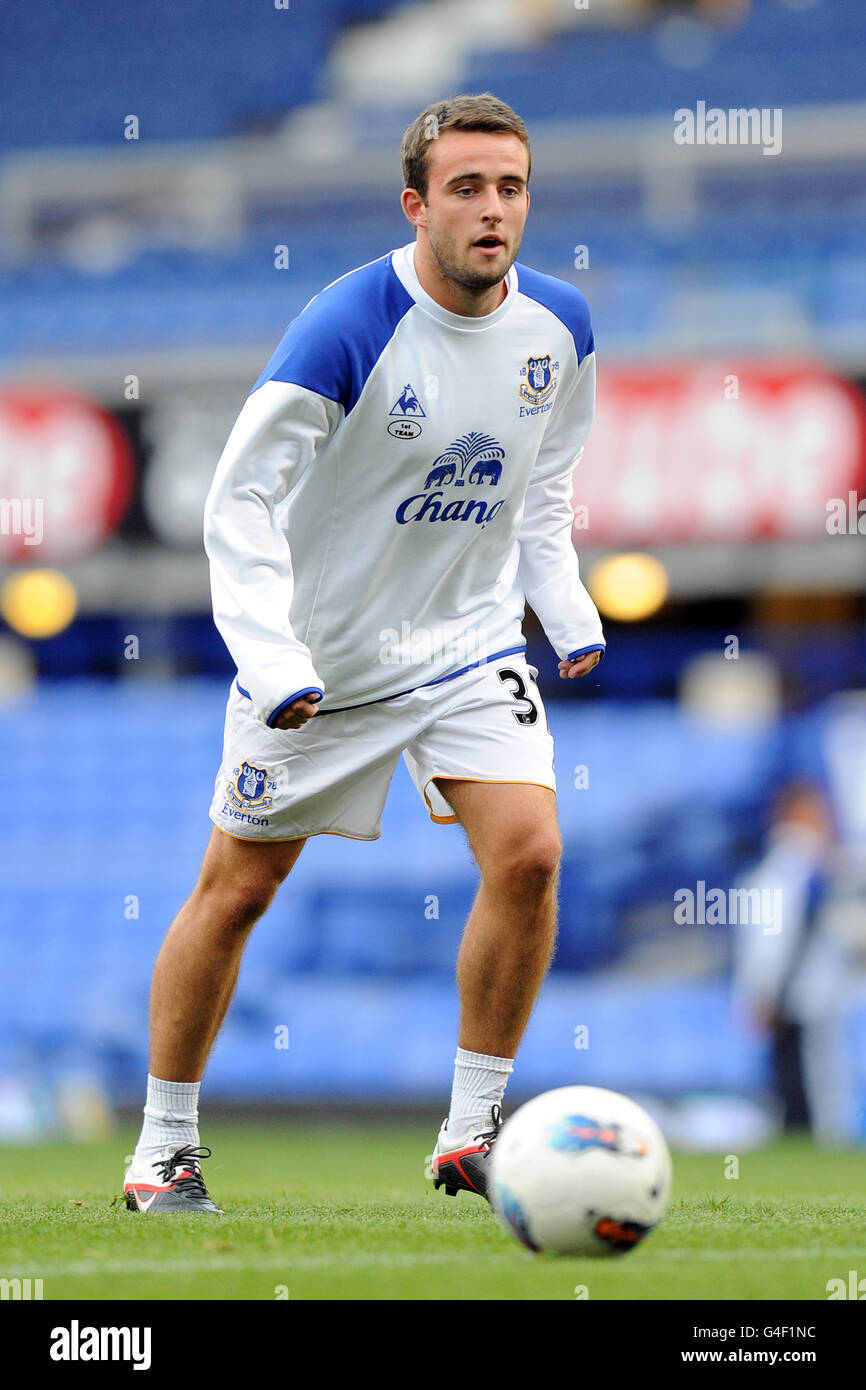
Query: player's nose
492	209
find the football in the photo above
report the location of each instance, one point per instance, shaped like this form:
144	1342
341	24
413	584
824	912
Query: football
580	1171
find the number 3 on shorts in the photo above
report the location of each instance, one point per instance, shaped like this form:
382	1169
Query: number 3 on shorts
528	715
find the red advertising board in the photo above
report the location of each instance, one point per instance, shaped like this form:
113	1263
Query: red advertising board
66	475
727	452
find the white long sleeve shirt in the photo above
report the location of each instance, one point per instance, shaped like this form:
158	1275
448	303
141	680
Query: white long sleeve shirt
398	485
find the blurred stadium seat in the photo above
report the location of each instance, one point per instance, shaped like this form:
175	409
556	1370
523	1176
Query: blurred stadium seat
801	228
88	891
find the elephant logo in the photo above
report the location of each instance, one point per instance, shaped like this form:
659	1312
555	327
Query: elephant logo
490	469
443	474
480	454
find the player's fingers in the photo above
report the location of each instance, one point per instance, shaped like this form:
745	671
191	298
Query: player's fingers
298	714
589	663
583	664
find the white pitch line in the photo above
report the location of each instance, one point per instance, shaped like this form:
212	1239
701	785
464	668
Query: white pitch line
788	1252
288	1262
215	1263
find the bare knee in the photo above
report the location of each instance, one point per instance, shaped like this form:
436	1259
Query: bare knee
232	900
234	907
238	881
526	866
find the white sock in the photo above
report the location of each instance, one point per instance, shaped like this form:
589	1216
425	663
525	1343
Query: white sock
479	1084
170	1117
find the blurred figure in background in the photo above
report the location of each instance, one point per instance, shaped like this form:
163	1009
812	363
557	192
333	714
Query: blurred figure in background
791	975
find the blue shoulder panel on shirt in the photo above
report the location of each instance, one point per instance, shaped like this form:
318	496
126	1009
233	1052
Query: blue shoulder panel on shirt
563	300
335	342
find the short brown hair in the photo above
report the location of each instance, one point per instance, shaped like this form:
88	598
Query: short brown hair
483	111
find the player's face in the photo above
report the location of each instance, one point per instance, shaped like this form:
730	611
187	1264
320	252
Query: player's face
476	205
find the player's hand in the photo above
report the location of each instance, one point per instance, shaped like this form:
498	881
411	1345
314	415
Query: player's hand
569	669
298	713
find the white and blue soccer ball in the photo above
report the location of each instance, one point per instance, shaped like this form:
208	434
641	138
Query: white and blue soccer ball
580	1171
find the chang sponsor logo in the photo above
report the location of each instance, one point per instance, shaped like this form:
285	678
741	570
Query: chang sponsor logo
474	460
428	507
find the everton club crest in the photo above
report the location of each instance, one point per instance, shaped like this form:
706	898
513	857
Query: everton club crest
537	379
247	790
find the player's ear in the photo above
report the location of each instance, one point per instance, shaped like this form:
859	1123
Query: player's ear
413	206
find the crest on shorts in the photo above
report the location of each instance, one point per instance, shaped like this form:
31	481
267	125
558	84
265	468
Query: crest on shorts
247	790
538	380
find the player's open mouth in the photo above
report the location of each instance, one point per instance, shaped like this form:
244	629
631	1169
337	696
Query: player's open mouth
489	244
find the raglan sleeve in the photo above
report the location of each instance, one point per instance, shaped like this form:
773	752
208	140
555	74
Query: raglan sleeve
549	569
274	442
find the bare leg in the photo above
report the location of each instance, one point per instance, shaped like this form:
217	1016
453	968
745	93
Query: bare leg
197	968
511	929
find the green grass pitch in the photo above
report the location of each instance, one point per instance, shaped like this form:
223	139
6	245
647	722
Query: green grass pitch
345	1212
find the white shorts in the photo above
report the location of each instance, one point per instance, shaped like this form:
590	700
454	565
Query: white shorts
332	776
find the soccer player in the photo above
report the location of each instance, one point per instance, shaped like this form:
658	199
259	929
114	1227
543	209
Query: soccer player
396	487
